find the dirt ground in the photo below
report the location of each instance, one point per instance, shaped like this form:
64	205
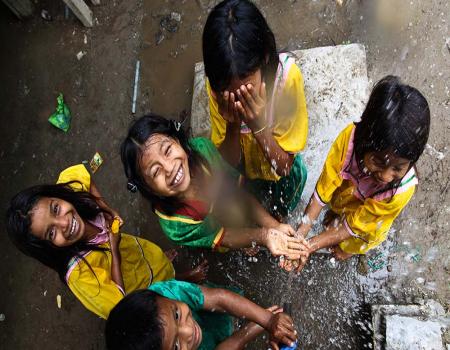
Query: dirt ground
38	60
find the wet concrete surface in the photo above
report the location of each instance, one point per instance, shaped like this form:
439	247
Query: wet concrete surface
329	299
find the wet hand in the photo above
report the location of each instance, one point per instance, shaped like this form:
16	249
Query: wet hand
252	105
227	107
280	243
281	329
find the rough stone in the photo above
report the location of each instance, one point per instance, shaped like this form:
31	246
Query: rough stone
336	89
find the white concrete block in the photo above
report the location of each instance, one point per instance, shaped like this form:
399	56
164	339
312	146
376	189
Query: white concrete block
408	333
336	89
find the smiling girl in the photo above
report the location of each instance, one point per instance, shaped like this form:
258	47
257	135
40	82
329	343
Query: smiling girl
69	228
369	174
195	193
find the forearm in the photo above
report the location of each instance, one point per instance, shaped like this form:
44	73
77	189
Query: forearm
311	214
244	237
230	149
329	238
280	160
116	272
100	201
241	338
223	300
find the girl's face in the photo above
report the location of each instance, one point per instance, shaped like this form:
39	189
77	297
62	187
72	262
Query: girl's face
57	221
181	331
386	167
255	79
164	166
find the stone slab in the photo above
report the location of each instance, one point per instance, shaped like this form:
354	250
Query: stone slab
404	332
82	11
336	89
414	327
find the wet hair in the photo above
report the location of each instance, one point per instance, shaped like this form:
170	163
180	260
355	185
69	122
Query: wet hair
237	41
396	119
133	323
133	147
19	218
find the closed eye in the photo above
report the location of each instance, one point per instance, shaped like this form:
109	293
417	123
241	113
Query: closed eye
168	149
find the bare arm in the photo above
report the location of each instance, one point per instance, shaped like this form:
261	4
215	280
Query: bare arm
230	149
329	238
311	214
280	160
116	272
278	242
280	326
241	338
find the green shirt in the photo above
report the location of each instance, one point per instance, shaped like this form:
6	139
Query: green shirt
194	225
216	327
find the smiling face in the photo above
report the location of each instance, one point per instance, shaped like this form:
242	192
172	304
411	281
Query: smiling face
57	221
386	167
181	331
165	167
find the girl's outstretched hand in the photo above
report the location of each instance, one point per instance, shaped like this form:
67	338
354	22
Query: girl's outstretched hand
280	243
227	107
252	105
281	329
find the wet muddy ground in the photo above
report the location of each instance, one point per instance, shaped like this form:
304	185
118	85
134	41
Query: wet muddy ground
330	300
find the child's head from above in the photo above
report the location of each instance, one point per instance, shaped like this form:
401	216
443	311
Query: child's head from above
157	158
47	222
145	320
393	130
238	46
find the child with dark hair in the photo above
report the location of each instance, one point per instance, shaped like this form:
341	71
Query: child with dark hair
369	174
195	193
257	104
69	228
175	315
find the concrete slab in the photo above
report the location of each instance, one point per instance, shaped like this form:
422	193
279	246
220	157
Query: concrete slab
410	333
414	327
336	89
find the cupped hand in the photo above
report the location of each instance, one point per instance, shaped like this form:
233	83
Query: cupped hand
280	243
252	105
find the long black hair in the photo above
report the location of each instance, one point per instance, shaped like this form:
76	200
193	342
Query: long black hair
18	223
134	323
237	41
396	119
133	146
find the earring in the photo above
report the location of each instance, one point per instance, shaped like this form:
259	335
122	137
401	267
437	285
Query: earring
177	125
131	187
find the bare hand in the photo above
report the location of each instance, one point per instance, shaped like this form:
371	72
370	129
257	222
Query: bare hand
293	265
252	105
281	329
279	243
227	107
287	229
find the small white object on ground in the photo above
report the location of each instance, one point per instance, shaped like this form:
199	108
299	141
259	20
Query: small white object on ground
58	301
2	317
80	55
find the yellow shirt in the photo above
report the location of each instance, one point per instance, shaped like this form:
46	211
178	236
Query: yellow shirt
286	116
368	220
142	262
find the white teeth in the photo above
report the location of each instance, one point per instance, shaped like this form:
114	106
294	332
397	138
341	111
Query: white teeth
72	229
178	176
